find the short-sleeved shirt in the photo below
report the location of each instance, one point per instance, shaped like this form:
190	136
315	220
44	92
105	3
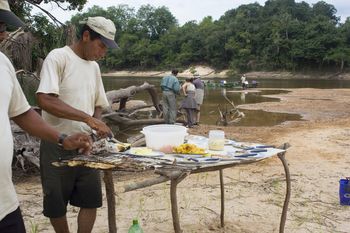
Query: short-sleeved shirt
170	83
77	82
198	83
12	103
190	87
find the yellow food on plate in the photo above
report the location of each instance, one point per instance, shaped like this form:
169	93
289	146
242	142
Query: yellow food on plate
188	149
141	151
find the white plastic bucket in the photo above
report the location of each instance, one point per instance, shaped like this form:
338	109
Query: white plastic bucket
159	136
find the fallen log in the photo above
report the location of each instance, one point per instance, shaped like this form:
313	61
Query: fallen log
122	95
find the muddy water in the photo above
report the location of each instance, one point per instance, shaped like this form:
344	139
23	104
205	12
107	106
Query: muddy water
214	99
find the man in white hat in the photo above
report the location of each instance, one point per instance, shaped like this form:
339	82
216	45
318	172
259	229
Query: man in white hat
7	18
72	95
199	96
14	106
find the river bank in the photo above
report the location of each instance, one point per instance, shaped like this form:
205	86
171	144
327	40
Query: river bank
208	73
318	158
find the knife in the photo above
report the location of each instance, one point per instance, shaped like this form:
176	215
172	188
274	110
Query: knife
246	155
258	150
267	146
204	159
243	147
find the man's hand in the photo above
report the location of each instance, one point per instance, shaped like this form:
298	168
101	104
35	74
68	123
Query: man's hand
79	141
101	128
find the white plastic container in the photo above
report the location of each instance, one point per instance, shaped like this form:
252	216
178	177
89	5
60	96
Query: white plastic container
164	135
216	140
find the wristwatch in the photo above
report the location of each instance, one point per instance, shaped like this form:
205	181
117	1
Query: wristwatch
61	139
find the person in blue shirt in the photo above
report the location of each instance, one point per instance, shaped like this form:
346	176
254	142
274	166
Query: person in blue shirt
171	87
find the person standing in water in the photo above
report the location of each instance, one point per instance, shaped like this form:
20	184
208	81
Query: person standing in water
244	82
189	103
171	88
199	96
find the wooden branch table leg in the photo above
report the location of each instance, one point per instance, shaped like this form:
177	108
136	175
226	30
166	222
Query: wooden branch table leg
174	209
281	156
108	179
222	190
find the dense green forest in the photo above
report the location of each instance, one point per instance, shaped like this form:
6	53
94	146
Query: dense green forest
281	35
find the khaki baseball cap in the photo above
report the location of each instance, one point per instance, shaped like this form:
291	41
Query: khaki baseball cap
104	27
6	16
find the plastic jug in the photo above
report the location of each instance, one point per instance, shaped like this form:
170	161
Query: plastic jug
216	140
135	227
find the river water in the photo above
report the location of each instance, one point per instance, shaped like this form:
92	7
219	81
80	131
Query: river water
214	99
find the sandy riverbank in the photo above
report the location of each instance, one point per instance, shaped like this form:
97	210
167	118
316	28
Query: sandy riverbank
206	72
318	158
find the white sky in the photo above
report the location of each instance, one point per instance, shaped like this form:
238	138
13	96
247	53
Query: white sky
187	10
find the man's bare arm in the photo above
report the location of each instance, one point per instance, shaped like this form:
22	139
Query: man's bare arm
31	122
53	105
98	113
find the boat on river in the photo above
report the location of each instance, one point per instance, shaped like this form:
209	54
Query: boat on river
225	84
212	84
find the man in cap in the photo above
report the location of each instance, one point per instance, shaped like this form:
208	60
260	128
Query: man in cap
14	106
171	87
72	95
199	96
7	17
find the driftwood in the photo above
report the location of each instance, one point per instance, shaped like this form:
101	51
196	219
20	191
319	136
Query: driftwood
26	148
122	95
165	176
18	48
127	118
134	186
32	157
229	116
115	118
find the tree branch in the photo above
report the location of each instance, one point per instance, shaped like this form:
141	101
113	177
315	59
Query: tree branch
54	19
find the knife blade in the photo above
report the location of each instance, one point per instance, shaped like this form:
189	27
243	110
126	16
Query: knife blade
258	150
246	155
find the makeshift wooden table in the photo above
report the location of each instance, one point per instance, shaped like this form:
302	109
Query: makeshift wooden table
168	170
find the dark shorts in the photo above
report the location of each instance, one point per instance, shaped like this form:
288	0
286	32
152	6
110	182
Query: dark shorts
79	186
13	223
